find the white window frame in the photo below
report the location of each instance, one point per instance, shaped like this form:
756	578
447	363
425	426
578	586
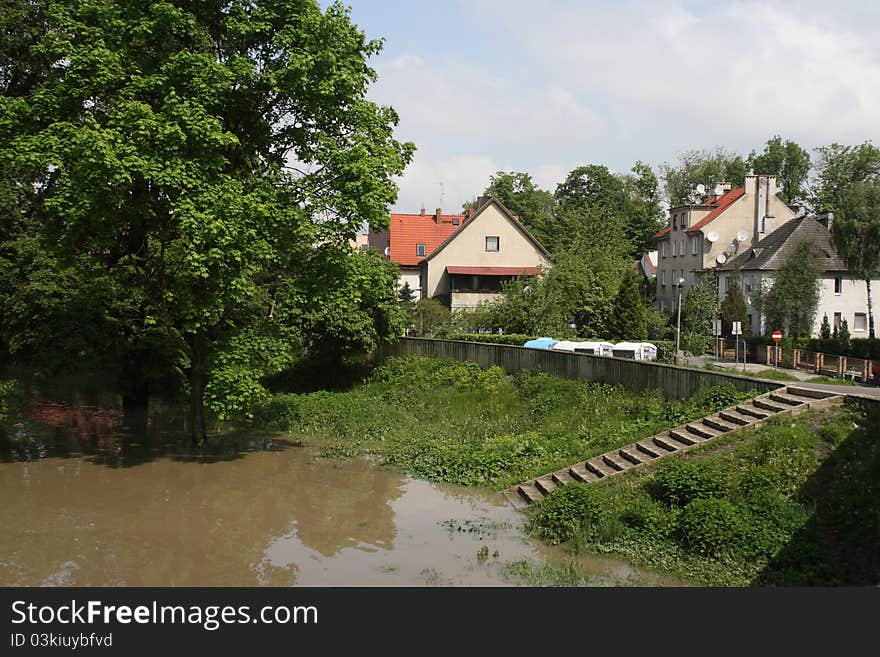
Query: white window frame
497	239
663	277
694	241
663	249
864	328
421	250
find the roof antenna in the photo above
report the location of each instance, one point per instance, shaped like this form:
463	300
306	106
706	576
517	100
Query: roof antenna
442	193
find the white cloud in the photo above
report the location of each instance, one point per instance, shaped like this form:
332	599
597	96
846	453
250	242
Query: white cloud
554	84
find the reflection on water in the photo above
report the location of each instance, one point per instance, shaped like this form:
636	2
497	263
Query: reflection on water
92	502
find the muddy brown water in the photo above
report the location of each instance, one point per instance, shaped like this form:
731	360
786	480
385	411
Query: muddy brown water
89	502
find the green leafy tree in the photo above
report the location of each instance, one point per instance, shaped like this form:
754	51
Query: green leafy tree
429	317
698	309
792	299
856	230
628	317
534	206
733	309
192	152
700	167
838	167
825	329
642	208
788	162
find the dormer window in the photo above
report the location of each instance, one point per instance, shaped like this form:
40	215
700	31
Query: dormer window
455	222
420	250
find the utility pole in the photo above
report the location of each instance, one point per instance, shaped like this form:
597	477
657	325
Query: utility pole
678	321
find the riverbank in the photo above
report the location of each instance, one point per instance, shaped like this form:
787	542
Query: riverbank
796	503
450	421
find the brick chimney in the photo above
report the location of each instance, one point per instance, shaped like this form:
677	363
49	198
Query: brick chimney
437	215
423	211
481	201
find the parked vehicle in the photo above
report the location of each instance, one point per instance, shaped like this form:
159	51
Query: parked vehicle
541	343
595	348
636	350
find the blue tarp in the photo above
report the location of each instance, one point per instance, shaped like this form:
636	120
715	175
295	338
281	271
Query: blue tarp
541	343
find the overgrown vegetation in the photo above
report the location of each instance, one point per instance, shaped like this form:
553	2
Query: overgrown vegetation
450	421
795	503
12	398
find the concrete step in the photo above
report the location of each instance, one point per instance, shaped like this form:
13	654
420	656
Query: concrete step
736	418
649	449
633	456
580	473
702	430
668	444
614	461
808	392
561	478
767	406
752	412
786	399
545	484
716	423
598	468
685	437
529	493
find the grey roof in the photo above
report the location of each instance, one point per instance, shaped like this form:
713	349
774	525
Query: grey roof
771	252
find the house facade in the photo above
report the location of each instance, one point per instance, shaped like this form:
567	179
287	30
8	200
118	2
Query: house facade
841	296
409	239
476	254
703	236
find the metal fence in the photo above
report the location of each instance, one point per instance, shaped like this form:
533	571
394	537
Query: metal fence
856	369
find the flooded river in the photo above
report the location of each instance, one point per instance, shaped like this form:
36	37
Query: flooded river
91	502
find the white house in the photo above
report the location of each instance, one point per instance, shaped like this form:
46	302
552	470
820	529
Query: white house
841	295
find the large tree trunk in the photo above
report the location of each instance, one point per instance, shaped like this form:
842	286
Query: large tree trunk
870	310
197	386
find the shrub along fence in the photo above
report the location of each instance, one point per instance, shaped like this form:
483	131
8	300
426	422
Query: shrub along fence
673	381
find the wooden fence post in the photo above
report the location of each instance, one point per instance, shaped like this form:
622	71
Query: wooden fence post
841	366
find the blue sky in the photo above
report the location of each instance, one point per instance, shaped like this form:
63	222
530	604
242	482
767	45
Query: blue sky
542	87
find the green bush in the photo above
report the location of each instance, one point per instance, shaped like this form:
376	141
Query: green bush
567	512
12	399
679	482
711	527
665	350
514	339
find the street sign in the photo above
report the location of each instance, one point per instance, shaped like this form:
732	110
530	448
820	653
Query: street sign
716	327
777	336
737	328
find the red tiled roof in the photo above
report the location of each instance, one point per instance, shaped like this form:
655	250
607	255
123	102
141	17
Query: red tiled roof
723	203
662	232
409	230
495	271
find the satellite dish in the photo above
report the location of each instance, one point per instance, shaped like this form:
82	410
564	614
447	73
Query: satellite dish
721	258
387	251
701	189
712	237
719	190
742	236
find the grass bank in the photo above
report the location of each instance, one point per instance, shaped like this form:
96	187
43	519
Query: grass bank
797	502
448	420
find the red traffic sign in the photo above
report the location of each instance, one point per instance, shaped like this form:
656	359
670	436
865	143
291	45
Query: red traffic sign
777	336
